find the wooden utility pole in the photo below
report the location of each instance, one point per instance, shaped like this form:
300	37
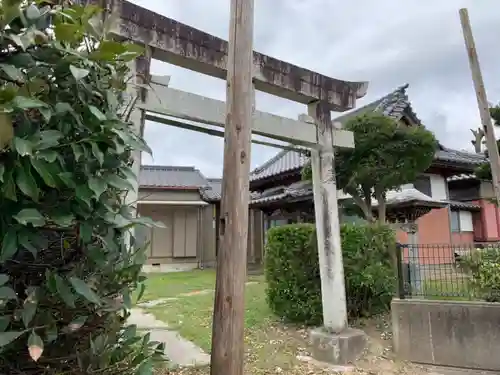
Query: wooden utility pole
482	102
327	222
229	308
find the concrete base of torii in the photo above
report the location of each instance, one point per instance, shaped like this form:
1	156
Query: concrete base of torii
337	348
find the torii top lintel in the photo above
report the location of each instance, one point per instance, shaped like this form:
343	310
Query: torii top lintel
190	48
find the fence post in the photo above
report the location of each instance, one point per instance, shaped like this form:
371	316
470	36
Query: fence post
400	287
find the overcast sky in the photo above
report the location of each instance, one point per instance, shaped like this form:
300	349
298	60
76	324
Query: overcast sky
386	42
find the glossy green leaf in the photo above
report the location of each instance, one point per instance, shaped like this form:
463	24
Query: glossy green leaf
49	138
44	170
18	41
7	293
4	322
29	311
128	173
77	151
119	182
32	12
12	72
63	220
30	216
47	155
3	279
84	193
9	245
133	141
64	291
147	221
85	230
23	146
23	102
63	107
7	337
127	298
97	185
9	187
142	289
26	242
26	183
84	290
67	32
97	153
145	368
78	73
2	172
46	113
97	113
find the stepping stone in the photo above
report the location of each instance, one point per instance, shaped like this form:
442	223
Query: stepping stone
178	350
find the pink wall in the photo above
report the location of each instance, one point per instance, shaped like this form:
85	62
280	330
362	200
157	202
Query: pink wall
488	228
433	230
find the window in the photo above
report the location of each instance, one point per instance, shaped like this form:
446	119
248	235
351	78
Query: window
461	221
455	221
423	184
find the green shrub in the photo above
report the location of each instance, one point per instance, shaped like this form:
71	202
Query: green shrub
67	269
484	267
292	271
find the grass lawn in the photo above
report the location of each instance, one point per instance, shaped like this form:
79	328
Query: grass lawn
271	346
173	284
454	290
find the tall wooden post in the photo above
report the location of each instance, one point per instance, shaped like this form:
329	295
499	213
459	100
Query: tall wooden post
482	102
228	321
327	222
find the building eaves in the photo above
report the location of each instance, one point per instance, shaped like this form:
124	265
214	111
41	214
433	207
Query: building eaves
165	177
463	157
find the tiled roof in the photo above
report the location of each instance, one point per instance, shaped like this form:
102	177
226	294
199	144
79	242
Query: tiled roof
461	177
395	197
213	191
455	156
393	105
301	189
464	205
284	161
152	176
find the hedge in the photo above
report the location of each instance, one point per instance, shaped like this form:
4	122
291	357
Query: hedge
292	271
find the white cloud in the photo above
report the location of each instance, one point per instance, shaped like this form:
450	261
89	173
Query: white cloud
387	42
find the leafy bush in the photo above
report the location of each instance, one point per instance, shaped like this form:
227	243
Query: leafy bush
292	271
484	268
67	266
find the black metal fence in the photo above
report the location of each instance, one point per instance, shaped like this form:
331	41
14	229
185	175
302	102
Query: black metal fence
440	271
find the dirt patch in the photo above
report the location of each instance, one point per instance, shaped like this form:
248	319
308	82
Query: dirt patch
281	349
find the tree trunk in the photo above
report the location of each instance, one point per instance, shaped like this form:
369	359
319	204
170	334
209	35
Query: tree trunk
477	142
365	207
382	206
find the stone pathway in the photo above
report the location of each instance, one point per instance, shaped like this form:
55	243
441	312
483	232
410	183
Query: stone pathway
179	351
161	301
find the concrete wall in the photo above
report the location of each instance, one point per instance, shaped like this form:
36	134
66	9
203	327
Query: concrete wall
448	333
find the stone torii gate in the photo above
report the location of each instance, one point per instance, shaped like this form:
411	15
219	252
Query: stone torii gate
176	43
